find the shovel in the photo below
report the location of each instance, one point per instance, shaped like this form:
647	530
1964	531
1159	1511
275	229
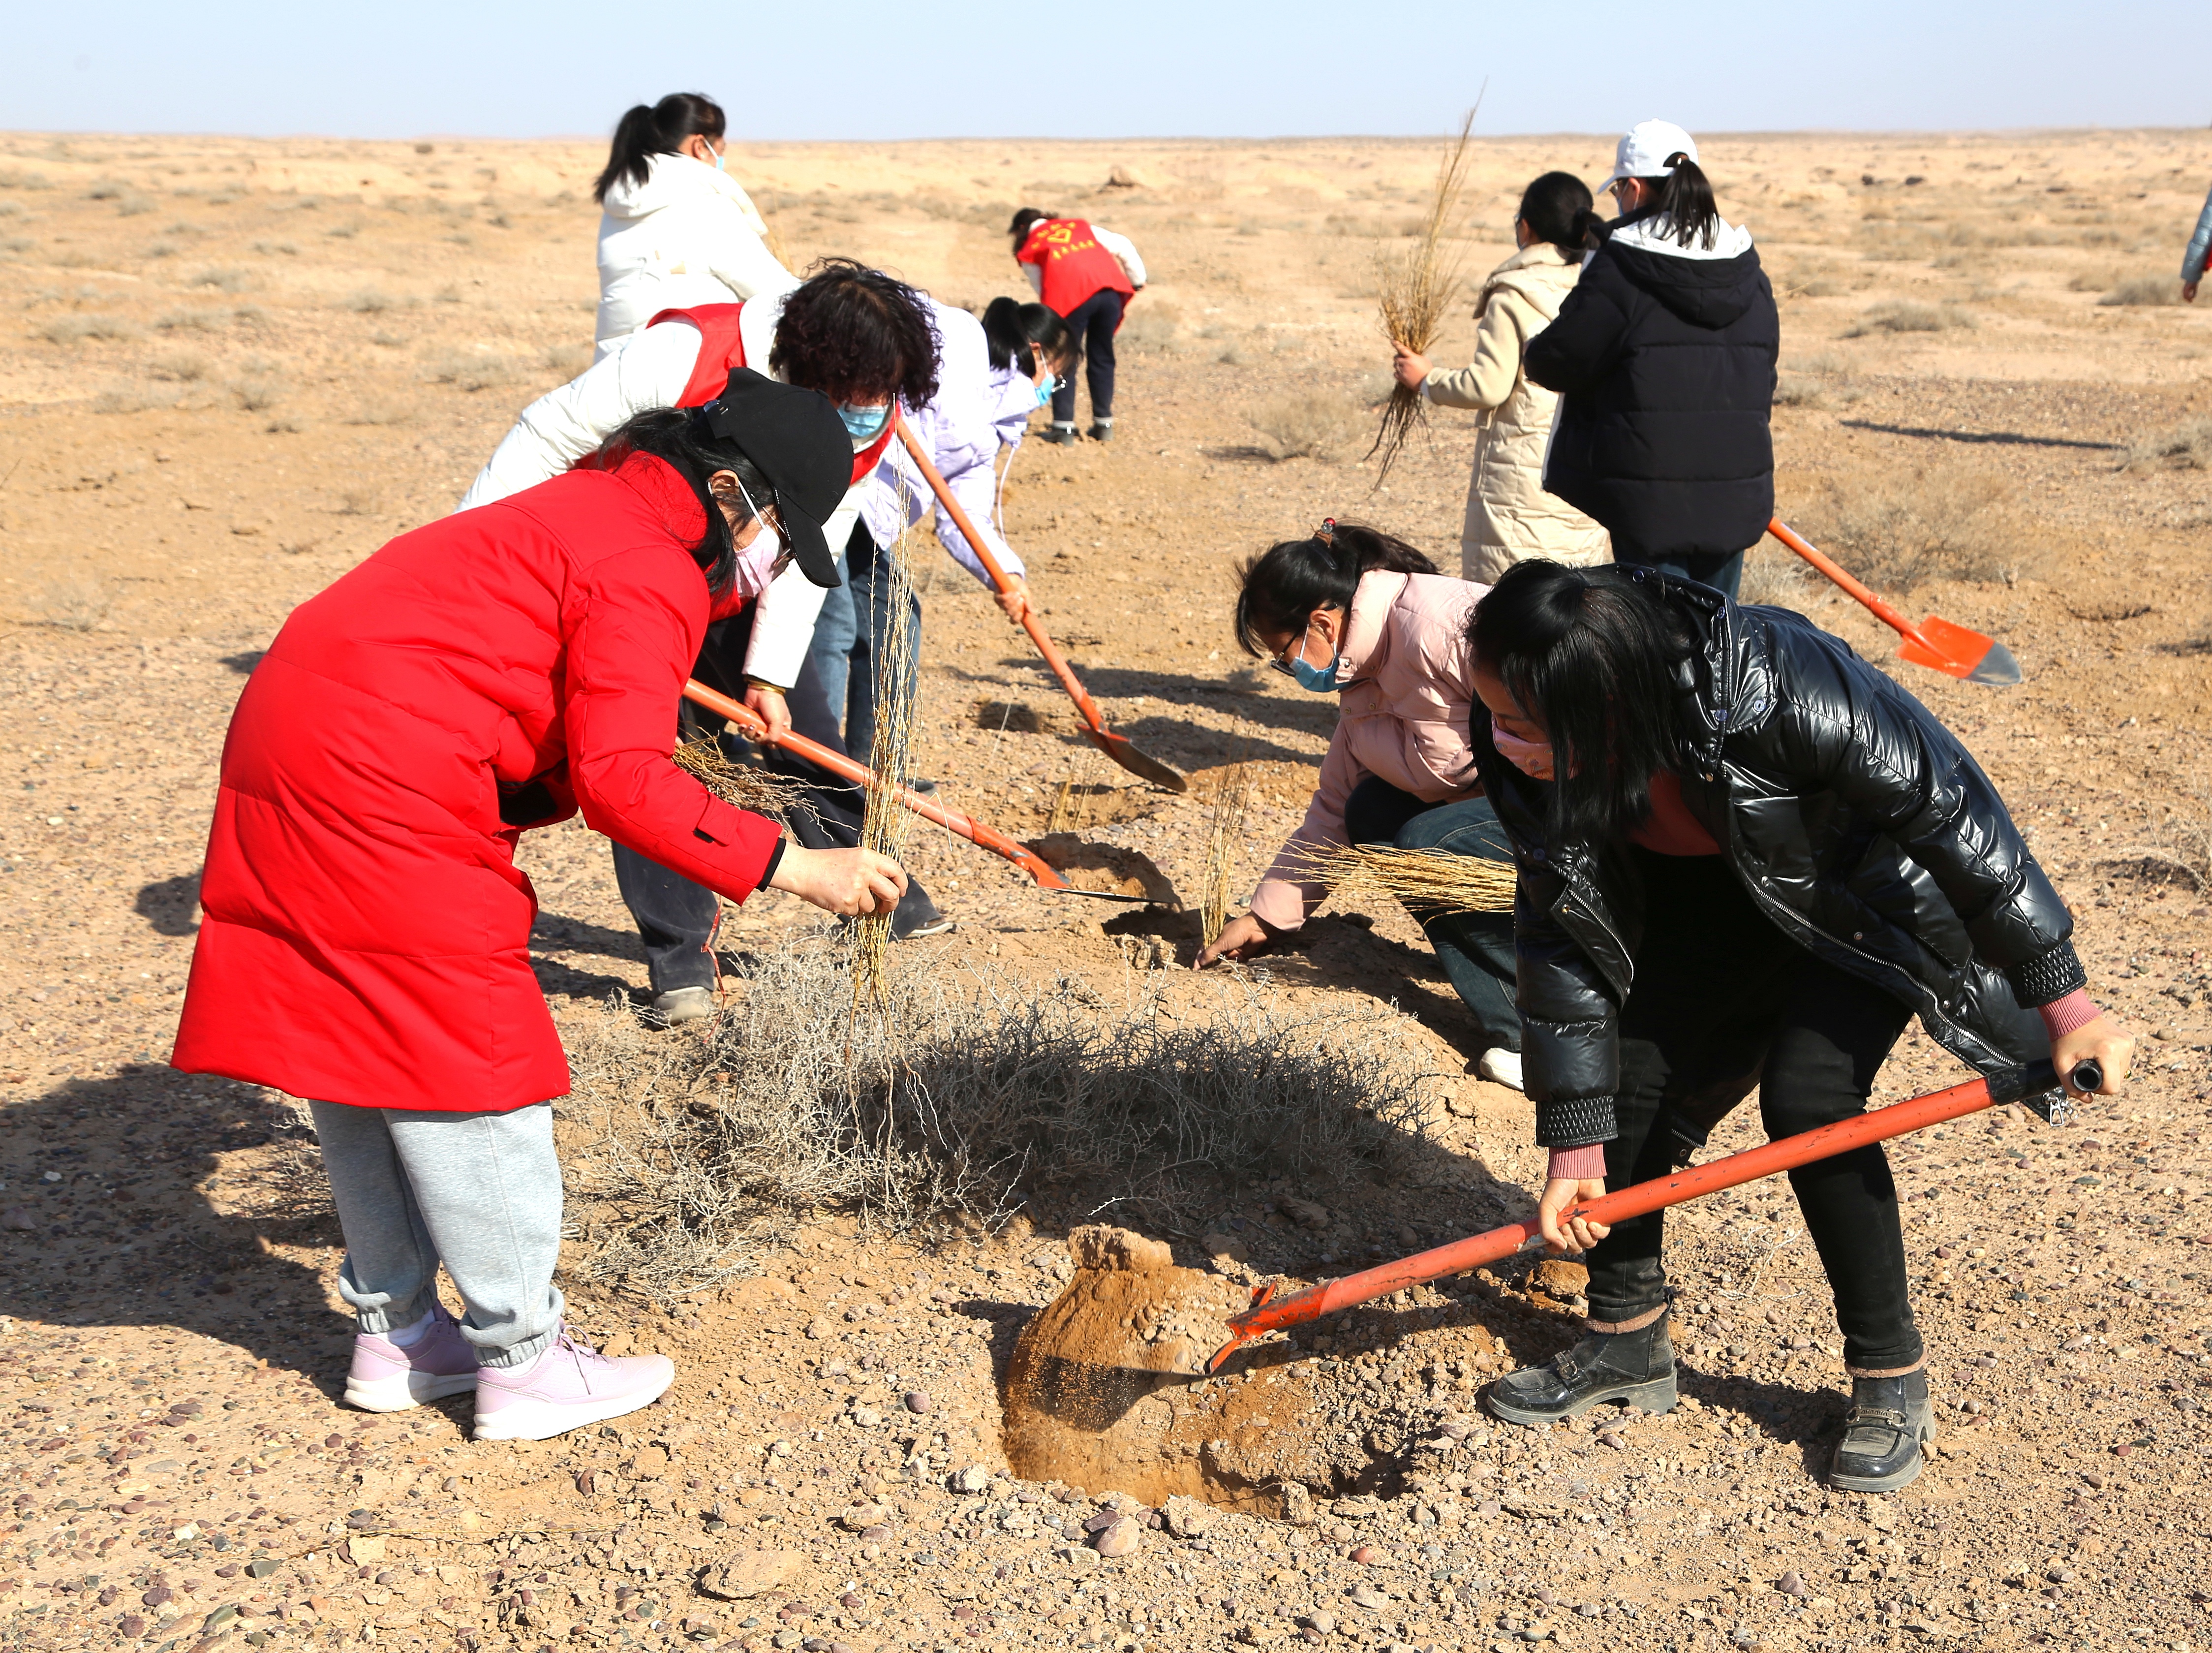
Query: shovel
1935	642
2037	1084
1117	747
748	723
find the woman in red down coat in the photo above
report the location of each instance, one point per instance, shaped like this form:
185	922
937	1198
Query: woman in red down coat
367	931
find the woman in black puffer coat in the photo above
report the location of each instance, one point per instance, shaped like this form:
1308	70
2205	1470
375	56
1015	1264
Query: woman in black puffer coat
1663	356
1763	860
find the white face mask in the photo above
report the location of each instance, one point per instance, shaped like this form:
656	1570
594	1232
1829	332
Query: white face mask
759	563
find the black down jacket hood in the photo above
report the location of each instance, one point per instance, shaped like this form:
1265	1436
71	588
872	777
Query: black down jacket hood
1858	824
1665	367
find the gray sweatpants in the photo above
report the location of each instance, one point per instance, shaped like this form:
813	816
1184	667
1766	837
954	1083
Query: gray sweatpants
479	1192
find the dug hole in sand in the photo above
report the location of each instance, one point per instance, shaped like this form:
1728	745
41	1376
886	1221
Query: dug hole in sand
1106	1390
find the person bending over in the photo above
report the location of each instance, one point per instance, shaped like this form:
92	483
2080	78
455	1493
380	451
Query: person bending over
1747	859
367	940
1356	613
1087	275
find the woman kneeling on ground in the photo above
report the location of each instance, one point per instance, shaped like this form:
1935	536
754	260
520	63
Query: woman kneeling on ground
1746	858
1358	614
367	942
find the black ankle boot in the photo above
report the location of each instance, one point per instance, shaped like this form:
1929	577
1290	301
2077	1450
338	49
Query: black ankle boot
1629	1369
1889	1418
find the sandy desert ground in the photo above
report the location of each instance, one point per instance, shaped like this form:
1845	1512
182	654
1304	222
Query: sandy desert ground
234	368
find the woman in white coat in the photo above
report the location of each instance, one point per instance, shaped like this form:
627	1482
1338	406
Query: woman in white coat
676	229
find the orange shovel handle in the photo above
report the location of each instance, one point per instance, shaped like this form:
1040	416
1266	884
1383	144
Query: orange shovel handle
1271	1313
1030	624
749	724
1835	571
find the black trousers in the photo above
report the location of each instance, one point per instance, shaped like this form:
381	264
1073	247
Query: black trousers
1719	991
1090	327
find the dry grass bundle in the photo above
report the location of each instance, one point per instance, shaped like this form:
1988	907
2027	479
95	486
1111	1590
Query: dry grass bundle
744	785
1418	288
885	826
1232	797
1430	879
963	1094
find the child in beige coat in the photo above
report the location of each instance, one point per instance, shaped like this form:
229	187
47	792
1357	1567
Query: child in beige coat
1510	517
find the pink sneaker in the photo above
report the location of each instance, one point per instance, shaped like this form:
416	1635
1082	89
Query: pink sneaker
384	1377
569	1385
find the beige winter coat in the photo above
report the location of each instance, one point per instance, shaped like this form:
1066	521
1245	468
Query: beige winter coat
1510	517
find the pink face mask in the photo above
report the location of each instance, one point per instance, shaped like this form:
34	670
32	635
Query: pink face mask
1532	757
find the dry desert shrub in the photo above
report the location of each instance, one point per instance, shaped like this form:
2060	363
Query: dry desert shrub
136	398
379	411
74	603
13	178
184	366
1777	576
1153	328
369	302
257	395
195	321
1306	424
961	1094
2182	847
75	328
2185	448
1896	530
224	279
1902	317
567	360
2144	289
466	370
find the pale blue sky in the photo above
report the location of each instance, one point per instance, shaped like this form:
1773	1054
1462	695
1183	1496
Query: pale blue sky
864	69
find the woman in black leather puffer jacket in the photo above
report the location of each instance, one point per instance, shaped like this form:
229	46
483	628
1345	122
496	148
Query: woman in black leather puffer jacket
1766	858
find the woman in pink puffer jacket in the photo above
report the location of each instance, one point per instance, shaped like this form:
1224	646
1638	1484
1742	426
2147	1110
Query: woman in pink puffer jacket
1354	612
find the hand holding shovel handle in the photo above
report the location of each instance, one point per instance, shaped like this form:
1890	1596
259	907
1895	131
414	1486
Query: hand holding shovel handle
2032	1084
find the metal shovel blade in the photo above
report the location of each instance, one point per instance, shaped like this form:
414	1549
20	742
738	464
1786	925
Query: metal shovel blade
1961	652
1124	751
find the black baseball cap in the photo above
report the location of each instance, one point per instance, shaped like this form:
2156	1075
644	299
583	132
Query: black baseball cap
796	439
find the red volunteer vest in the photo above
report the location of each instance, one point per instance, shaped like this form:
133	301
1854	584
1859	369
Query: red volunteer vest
722	349
1073	265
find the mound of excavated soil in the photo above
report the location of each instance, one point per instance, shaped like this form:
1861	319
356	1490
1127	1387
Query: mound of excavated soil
1105	1391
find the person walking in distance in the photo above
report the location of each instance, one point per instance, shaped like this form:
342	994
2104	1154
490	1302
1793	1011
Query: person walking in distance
676	228
2193	258
367	938
1663	357
1510	517
1087	275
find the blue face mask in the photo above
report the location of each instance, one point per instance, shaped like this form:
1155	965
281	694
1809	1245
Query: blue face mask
1321	679
863	425
1045	389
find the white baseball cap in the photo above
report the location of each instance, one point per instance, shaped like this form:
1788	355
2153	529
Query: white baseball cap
1643	152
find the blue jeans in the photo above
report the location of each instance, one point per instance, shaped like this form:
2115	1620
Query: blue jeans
1723	573
1475	949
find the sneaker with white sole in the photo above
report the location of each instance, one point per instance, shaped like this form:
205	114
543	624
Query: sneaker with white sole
681	1005
1501	1066
570	1385
389	1377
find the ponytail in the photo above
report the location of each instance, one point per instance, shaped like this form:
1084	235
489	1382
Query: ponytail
1683	205
1281	588
646	131
1557	207
1016	331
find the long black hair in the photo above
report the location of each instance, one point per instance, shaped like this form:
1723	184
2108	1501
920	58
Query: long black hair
1591	655
1016	331
648	130
1280	589
680	436
1683	206
855	334
1557	207
1024	221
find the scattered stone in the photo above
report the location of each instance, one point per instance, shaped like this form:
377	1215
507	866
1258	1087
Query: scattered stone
861	1516
1364	1595
918	1401
1558	1277
651	1463
1187	1518
362	1550
1225	1248
744	1574
1119	1538
18	1219
1792	1584
1324	1621
1305	1212
974	1479
1368	1556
